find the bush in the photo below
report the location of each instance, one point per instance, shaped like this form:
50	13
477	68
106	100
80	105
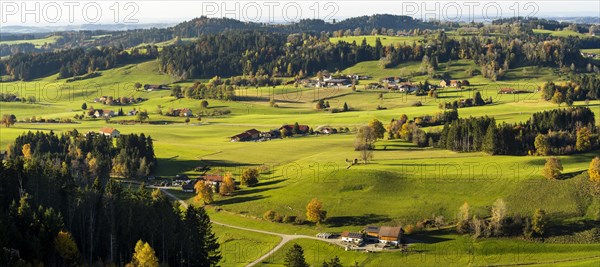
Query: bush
289	219
270	215
299	221
417	104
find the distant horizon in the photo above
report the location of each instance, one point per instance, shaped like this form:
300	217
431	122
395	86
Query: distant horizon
63	13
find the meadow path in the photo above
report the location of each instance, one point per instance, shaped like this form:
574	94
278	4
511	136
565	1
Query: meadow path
284	237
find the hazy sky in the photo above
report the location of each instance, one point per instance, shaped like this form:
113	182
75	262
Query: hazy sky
32	13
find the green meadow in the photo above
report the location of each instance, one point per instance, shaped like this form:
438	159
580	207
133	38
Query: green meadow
401	185
37	42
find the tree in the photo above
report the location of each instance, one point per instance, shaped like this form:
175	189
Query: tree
26	150
9	120
552	169
314	212
364	142
583	142
202	244
228	185
176	91
498	216
594	173
465	213
142	116
294	257
204	104
346	106
378	128
250	177
334	262
539	222
558	98
144	255
66	247
296	129
84	106
541	144
137	85
204	192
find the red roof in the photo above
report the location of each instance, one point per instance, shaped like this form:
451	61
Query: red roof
107	130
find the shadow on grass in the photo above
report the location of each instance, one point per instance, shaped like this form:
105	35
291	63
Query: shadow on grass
255	190
236	200
569	228
362	220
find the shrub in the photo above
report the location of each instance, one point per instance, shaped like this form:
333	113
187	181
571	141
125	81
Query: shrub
417	104
289	219
270	215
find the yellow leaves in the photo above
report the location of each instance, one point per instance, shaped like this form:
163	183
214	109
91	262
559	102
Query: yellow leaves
144	255
26	151
228	185
204	192
314	212
594	173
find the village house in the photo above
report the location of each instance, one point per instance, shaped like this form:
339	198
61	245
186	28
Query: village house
104	113
290	127
390	235
132	112
384	234
152	87
356	238
112	132
183	112
214	180
249	135
407	87
454	83
188	187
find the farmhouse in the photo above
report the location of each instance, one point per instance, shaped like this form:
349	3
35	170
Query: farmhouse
104	113
188	187
214	180
390	235
183	112
249	135
407	87
303	129
355	238
453	83
384	234
152	87
112	132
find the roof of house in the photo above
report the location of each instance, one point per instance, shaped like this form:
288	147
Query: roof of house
351	235
506	89
388	231
108	130
372	228
241	136
253	132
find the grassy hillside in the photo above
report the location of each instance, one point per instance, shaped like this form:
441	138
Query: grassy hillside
37	42
401	185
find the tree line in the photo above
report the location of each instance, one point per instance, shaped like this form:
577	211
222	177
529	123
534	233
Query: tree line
59	207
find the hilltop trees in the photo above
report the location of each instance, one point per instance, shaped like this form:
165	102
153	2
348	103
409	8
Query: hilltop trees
552	169
314	212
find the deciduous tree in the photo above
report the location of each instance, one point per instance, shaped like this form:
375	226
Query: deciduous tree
204	192
552	169
314	212
228	185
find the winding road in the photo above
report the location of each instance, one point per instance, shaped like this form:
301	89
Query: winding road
284	237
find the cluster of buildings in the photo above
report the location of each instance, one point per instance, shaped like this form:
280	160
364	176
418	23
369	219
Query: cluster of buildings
389	235
256	135
154	87
109	100
454	83
333	81
214	180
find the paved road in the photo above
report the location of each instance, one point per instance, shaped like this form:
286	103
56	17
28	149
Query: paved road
284	237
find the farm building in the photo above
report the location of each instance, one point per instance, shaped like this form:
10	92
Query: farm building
390	235
112	132
355	238
290	127
249	135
